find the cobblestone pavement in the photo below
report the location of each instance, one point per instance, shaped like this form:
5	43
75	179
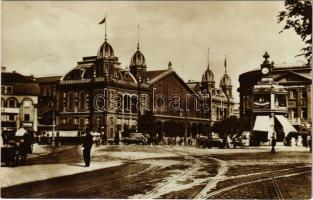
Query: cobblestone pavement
174	172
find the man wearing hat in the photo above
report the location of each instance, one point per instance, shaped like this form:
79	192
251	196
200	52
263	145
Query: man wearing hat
87	144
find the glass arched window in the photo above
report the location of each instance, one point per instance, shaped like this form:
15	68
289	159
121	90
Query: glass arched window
134	104
2	103
12	103
126	103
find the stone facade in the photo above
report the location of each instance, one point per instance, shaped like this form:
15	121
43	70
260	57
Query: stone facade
19	102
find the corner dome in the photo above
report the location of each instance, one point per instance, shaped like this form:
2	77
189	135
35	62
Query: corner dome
105	51
208	76
138	59
225	80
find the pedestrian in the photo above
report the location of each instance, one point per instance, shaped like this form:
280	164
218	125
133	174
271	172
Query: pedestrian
87	144
273	144
116	139
309	141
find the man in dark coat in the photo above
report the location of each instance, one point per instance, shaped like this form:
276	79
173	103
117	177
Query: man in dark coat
273	144
87	144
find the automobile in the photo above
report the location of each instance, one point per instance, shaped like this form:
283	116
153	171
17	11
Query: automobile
135	138
209	143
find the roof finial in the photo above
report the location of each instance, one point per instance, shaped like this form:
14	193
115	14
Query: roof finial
138	37
225	64
170	66
208	58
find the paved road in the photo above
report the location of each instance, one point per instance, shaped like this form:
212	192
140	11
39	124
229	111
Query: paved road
188	174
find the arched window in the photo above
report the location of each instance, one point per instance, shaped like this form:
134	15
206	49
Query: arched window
134	104
126	103
12	103
2	103
119	102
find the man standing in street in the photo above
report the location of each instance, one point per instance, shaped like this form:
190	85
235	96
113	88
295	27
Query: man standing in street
87	144
273	144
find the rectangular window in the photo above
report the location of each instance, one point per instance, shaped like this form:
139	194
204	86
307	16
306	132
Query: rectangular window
9	90
26	117
70	101
82	122
11	117
82	100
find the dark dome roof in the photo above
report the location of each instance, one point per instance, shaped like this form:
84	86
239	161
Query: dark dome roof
138	59
208	76
105	51
225	80
74	74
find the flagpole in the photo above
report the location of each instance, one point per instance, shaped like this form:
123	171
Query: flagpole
138	37
105	27
208	58
225	64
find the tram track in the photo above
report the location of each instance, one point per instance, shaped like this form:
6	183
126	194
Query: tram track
212	194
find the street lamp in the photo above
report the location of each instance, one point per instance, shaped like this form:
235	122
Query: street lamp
210	113
138	112
53	115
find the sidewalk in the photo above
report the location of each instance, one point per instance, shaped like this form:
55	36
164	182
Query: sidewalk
24	174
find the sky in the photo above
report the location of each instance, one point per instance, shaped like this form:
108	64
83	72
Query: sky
50	37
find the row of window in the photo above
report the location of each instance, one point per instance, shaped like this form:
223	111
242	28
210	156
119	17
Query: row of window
13	117
6	89
293	94
12	103
293	113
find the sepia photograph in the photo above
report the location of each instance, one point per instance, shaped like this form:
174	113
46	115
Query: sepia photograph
156	99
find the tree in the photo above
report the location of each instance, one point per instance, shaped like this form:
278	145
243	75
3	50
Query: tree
146	124
228	126
298	15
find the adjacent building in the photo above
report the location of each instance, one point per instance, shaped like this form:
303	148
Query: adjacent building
276	98
19	102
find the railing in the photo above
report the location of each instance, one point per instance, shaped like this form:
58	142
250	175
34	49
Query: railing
75	81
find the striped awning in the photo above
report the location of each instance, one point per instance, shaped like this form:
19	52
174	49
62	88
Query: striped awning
262	123
287	127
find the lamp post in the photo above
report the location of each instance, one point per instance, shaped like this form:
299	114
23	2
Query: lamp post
210	113
53	115
138	112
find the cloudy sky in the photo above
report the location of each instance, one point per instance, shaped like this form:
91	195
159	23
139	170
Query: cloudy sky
48	38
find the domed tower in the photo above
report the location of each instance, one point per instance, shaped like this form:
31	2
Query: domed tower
105	51
107	62
208	82
138	65
225	83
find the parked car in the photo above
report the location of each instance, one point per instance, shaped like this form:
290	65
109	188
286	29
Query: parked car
209	143
135	138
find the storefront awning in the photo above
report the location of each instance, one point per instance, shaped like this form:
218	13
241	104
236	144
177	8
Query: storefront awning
287	127
262	123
